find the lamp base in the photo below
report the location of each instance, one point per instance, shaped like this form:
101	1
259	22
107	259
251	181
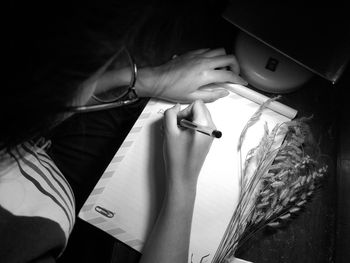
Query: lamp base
267	69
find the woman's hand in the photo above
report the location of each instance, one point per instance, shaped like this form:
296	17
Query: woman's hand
190	77
185	150
184	153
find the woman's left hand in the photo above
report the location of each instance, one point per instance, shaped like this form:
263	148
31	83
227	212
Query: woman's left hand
190	77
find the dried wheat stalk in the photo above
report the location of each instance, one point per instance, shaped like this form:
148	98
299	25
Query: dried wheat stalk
283	180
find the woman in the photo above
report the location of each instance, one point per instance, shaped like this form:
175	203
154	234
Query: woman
58	65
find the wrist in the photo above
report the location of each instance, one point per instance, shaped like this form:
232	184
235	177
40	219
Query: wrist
180	188
183	196
145	82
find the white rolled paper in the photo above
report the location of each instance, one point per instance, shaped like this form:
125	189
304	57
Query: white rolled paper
260	99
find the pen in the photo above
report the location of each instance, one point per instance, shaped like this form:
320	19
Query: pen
200	128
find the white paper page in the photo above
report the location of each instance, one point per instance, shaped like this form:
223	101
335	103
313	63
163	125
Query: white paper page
136	190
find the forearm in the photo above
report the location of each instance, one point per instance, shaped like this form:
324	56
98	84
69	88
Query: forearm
146	81
184	155
169	240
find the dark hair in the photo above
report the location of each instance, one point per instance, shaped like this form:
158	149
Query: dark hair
50	51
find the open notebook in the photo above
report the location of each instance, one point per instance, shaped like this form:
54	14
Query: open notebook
127	198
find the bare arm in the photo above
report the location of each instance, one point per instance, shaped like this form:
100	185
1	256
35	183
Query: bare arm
185	78
185	152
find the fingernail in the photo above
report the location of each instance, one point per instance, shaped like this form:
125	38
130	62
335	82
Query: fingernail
224	93
241	81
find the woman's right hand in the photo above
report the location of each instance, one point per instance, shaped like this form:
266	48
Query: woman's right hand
185	150
184	153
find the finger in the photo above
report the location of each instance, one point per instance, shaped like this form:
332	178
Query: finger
223	61
209	95
197	112
214	53
201	114
170	118
186	113
220	76
214	87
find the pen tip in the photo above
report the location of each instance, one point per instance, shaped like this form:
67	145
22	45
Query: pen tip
217	134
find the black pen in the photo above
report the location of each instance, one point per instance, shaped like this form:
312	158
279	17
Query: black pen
200	128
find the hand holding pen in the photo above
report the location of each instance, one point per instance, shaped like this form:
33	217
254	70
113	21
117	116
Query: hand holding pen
185	151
